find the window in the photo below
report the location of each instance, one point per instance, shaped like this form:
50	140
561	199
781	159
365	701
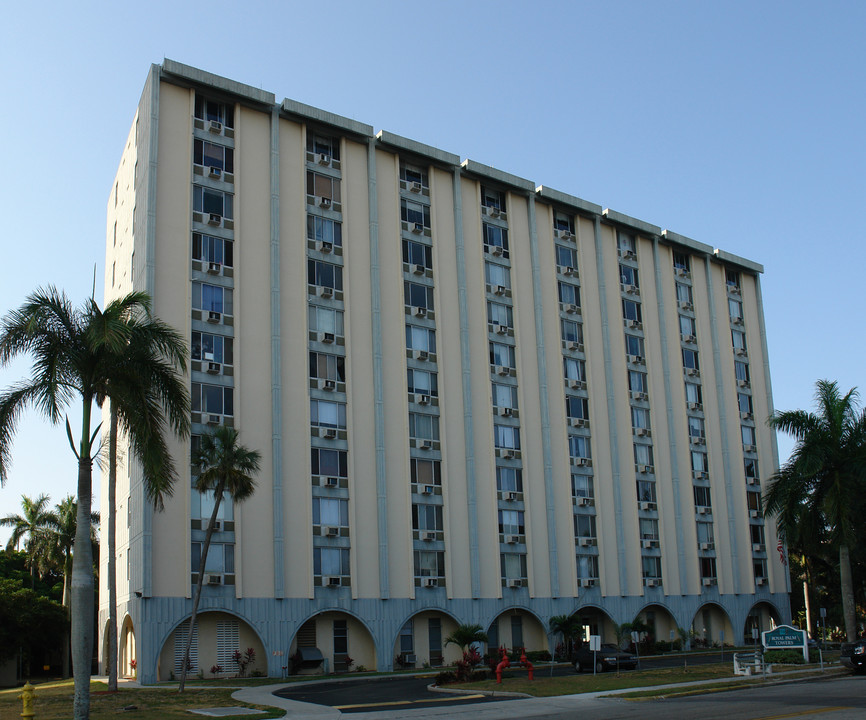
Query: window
643	454
212	249
637	381
628	275
581	486
413	174
423	426
220	558
211	348
495	240
751	468
330	511
744	402
211	298
738	339
646	491
504	396
212	399
578	447
425	472
624	242
509	479
499	314
702	496
209	201
681	261
506	437
640	418
419	338
429	564
688	326
696	427
407	638
757	533
341	645
330	561
651	567
513	566
211	110
326	320
735	309
690	359
422	382
631	310
684	293
501	354
517	632
563	221
759	565
324	230
511	522
569	294
326	414
415	295
566	257
574	369
417	254
327	367
693	393
492	198
748	434
577	407
649	529
741	370
708	568
753	500
209	154
497	275
426	517
323	186
700	461
202	504
571	331
587	567
705	532
323	145
634	345
414	213
732	279
330	463
324	274
584	526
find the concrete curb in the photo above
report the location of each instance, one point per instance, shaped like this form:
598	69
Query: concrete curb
490	693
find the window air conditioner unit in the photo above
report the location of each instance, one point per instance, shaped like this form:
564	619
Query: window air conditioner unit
753	513
746	416
430	583
499	329
758	547
500	290
566	234
428	535
690	338
632	289
511	496
323	159
644	468
329	385
422	399
646	543
496	250
324	247
577	384
214	579
506	412
422	355
417	227
418	269
709	581
332	581
761	581
502	370
646	505
584	502
571	309
213	368
332	482
330	531
512	539
514	583
634	324
581	462
325	291
587	542
587	582
737	320
694	406
682	272
215	126
215	172
214	419
326	337
685	305
425	445
217	525
706	546
415	187
741	352
751	481
427	489
698	440
214	219
323	202
568	270
329	433
493	211
578	422
213	268
630	255
635	359
419	311
693	372
749	448
743	383
652	582
508	454
574	345
701	475
704	510
641	432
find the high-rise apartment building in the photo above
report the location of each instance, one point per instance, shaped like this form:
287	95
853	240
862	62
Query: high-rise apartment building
477	400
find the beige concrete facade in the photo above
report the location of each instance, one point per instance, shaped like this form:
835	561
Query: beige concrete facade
474	396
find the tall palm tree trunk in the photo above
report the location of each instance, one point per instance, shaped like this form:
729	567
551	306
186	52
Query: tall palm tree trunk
807	600
847	587
218	496
112	561
67	603
82	583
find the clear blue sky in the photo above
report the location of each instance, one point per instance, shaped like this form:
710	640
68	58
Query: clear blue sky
739	124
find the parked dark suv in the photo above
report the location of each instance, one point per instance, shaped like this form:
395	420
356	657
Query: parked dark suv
608	658
854	655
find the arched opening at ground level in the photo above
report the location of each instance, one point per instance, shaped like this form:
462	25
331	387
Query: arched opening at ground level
216	638
711	627
126	656
595	621
762	617
660	629
514	629
421	641
343	640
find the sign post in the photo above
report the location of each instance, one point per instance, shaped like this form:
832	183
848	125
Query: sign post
635	638
785	637
595	646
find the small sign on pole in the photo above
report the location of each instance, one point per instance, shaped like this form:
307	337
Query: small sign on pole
595	646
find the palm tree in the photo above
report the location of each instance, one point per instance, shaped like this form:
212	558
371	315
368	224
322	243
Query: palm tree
28	527
223	467
77	354
825	476
466	635
568	626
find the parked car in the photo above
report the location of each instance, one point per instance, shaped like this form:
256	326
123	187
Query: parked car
854	655
608	658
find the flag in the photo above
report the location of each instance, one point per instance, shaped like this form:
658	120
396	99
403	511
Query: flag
781	548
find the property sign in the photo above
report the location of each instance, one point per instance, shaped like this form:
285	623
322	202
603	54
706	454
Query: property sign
785	637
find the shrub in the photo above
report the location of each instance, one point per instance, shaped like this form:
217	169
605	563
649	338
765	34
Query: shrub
446	677
537	656
791	657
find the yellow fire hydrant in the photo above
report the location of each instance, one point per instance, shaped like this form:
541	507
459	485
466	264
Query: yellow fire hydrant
27	696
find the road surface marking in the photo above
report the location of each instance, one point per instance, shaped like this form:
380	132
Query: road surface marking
407	702
804	712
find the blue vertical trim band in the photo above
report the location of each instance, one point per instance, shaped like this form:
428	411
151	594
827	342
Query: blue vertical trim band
549	494
276	371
